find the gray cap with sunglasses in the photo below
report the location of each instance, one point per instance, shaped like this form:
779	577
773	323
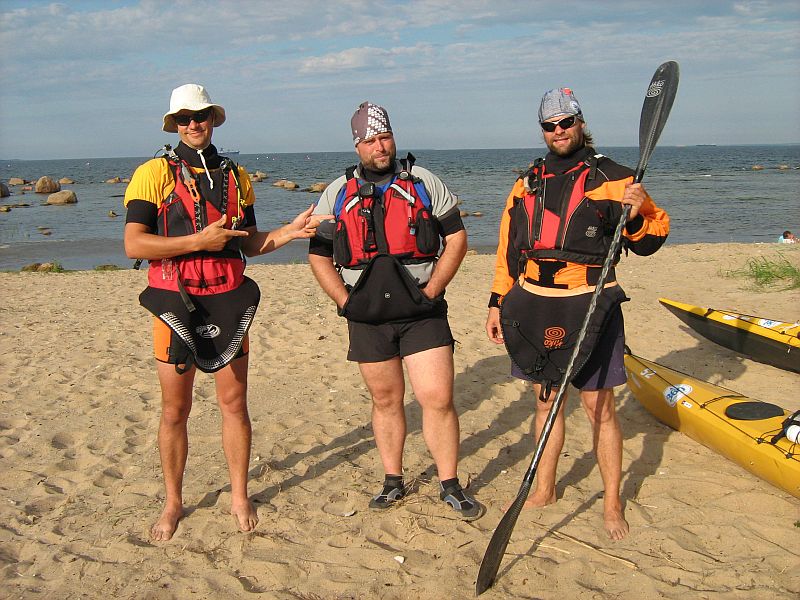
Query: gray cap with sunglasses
194	97
557	102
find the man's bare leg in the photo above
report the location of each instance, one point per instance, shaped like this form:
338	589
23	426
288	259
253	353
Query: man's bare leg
544	491
231	385
173	445
387	387
430	373
599	406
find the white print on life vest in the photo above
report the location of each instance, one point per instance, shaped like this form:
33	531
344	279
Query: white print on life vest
208	331
676	392
591	231
655	88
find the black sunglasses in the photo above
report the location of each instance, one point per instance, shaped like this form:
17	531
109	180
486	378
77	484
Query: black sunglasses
200	116
564	123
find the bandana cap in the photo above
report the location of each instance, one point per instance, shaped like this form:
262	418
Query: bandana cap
369	120
557	102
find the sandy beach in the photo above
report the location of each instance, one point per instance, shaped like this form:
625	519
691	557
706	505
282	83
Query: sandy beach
81	481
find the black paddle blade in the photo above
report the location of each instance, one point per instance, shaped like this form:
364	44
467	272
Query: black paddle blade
655	110
497	545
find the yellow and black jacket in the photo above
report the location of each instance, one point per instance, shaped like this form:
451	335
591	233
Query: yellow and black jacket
559	219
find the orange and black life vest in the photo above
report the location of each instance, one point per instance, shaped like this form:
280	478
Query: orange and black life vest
185	212
393	219
567	229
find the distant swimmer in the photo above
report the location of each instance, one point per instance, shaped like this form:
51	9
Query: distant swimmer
384	267
190	214
787	238
555	234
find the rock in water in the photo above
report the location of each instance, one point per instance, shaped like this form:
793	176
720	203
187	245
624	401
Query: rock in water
65	197
45	185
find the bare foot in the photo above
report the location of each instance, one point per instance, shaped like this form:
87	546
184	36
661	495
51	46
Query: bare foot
167	523
245	514
537	500
615	523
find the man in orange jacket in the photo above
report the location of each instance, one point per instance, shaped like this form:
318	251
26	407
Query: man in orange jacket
555	233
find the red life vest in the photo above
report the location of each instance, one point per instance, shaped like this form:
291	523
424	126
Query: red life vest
186	212
577	233
394	219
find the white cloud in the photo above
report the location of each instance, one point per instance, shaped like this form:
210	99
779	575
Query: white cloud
424	56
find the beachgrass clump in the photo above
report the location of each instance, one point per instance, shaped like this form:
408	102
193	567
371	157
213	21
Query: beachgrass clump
768	271
48	267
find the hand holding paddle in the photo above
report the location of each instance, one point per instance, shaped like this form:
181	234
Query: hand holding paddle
634	196
655	110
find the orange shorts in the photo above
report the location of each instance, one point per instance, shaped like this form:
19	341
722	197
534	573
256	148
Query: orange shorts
169	348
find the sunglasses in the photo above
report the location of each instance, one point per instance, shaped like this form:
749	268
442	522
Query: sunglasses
200	116
564	123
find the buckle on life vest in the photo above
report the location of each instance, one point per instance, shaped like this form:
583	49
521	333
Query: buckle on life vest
370	241
366	190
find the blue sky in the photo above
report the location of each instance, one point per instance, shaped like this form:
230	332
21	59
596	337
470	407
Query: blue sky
93	79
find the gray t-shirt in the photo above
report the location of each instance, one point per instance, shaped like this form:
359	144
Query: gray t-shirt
442	201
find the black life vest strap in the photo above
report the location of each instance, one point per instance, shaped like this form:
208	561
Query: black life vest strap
546	278
536	231
230	167
591	162
407	163
185	296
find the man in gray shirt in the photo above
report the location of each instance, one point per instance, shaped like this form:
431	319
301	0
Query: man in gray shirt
381	264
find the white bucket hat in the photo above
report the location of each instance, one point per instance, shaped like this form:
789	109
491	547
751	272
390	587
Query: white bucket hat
194	97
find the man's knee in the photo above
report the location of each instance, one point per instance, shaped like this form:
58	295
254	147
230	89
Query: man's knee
233	402
174	415
387	400
599	405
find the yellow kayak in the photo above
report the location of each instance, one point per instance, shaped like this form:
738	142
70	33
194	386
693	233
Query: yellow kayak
748	432
765	340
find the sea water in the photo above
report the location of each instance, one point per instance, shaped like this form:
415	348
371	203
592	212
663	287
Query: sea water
712	194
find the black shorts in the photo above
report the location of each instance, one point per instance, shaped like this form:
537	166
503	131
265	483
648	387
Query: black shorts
377	343
605	367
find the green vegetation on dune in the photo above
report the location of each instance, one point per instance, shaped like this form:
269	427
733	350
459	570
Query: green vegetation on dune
767	271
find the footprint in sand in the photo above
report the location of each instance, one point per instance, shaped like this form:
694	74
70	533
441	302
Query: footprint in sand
63	441
109	477
11	432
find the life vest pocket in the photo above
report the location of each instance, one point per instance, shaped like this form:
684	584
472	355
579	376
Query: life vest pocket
341	244
386	292
540	331
174	220
520	226
427	233
199	275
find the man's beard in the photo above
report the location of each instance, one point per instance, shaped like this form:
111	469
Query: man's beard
387	164
574	145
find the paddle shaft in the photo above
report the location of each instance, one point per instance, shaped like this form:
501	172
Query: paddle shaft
655	110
